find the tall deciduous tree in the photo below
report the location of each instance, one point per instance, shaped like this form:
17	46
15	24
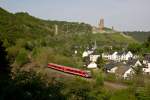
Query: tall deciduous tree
101	62
138	72
4	63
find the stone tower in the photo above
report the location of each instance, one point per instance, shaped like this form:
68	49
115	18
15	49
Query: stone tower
101	25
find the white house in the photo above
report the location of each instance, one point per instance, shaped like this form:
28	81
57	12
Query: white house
113	70
94	58
124	56
147	69
85	54
138	63
146	62
130	71
107	55
92	65
90	51
111	67
118	56
127	56
110	56
113	56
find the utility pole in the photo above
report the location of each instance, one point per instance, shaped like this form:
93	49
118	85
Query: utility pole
95	45
56	29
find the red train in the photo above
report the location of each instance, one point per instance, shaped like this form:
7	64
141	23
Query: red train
74	71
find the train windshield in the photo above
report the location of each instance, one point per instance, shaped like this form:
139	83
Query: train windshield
89	73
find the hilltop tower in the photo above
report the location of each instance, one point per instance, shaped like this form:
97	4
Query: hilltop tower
101	25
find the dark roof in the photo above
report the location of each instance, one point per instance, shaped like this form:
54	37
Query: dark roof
110	53
147	57
122	69
131	62
120	53
111	65
146	54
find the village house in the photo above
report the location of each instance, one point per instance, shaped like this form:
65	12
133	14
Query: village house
110	56
122	69
123	63
94	58
92	65
124	56
146	58
90	58
126	70
146	62
87	53
111	67
130	71
118	56
113	56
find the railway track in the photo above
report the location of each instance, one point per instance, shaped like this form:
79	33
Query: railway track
62	74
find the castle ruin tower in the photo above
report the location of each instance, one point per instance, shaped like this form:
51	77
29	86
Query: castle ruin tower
101	25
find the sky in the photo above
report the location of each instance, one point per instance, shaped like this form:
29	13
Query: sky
124	15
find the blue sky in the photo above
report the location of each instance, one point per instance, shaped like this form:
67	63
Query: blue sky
122	14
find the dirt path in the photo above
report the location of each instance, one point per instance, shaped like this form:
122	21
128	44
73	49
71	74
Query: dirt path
59	74
115	85
110	85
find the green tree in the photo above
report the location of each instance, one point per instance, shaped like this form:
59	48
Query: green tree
101	62
4	62
135	48
22	57
31	86
142	93
138	75
78	89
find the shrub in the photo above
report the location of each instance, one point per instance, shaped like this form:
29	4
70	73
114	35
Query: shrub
22	57
123	95
99	79
110	77
98	76
41	55
143	93
31	86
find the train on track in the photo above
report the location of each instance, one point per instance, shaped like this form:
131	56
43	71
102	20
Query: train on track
70	70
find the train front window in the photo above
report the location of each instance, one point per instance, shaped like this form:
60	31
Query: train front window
89	73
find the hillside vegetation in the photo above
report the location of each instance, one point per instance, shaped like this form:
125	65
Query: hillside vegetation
139	36
22	25
32	40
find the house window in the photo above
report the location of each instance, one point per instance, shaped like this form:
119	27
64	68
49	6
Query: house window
147	73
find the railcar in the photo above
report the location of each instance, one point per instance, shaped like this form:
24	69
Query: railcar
70	70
